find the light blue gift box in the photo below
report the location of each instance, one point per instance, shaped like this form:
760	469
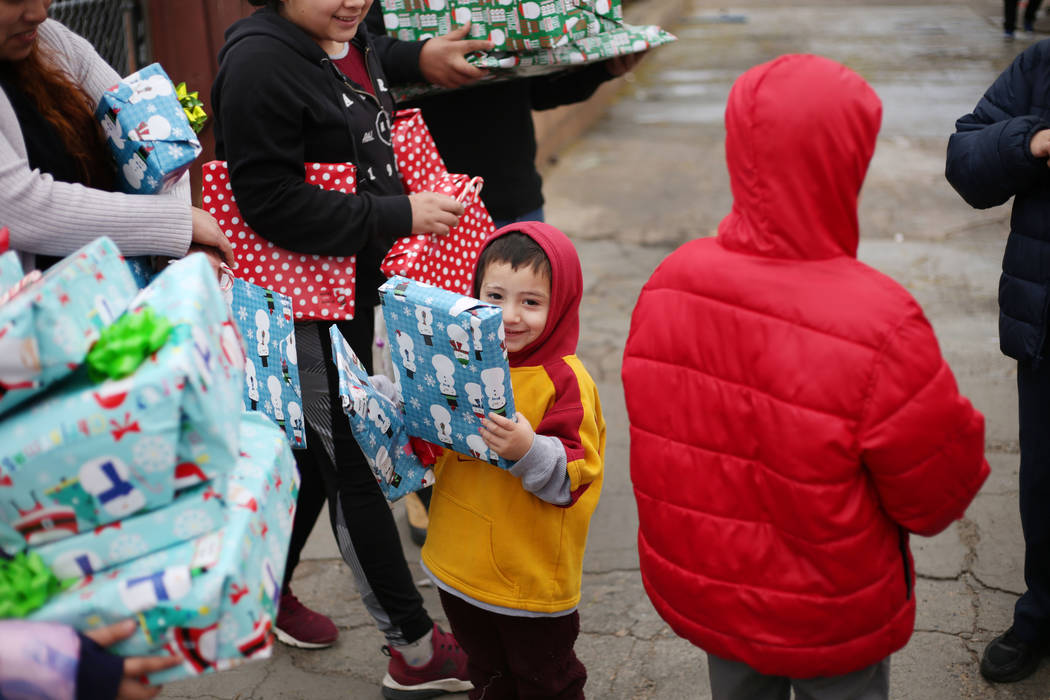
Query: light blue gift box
11	271
147	131
271	364
85	454
48	327
377	425
211	600
450	358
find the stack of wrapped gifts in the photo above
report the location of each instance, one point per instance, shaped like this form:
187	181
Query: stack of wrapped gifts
131	482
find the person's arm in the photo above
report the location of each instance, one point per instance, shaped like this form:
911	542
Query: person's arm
989	156
263	142
36	208
560	459
577	84
921	441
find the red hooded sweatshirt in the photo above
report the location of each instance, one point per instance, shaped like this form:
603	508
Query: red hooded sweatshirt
792	419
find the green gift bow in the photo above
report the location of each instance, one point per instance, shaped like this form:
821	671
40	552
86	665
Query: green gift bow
25	585
123	346
192	106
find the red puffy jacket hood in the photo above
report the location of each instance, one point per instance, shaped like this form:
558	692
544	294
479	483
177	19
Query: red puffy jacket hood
800	132
792	418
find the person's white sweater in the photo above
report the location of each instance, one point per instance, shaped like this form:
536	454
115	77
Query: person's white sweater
46	217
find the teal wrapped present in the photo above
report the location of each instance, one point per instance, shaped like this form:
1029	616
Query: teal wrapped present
47	328
451	364
86	454
147	131
378	426
211	600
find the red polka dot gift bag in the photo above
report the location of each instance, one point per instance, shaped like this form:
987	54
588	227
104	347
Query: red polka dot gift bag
418	160
320	286
446	261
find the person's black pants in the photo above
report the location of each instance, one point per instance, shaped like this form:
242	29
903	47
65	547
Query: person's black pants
1032	611
1010	14
333	468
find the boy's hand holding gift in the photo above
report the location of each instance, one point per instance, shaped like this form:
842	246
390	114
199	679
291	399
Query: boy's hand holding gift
510	439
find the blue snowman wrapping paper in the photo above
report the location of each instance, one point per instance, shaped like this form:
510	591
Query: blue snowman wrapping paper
147	131
84	454
47	328
211	600
271	366
10	270
378	426
450	358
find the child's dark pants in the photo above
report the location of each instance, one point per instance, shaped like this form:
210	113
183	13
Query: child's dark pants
517	657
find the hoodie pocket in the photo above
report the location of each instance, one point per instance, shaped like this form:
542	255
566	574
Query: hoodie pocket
465	547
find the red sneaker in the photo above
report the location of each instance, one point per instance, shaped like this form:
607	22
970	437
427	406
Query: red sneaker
299	626
446	672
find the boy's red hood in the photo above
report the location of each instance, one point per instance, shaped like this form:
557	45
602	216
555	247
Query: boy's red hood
562	331
800	132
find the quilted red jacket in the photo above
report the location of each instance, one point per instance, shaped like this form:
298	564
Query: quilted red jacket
792	419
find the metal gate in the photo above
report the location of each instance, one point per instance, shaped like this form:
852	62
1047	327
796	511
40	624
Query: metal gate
114	27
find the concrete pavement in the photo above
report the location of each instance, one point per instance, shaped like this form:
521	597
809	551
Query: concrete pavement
649	176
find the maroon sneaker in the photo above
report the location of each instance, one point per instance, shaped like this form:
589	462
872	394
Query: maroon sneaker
446	672
299	626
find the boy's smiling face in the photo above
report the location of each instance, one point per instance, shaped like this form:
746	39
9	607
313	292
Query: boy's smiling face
524	295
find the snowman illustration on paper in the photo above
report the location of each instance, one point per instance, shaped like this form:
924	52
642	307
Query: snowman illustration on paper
501	334
445	370
476	398
380	418
262	336
406	349
475	328
425	324
295	417
355	402
156	128
148	88
492	378
274	385
134	169
479	450
141	593
107	479
460	342
252	383
383	466
442	423
111	125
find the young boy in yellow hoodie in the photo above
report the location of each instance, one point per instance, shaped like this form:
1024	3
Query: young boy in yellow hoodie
505	547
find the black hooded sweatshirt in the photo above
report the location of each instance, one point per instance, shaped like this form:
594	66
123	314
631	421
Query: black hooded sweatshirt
280	102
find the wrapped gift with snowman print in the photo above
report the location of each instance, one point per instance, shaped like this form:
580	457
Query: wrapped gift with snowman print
147	131
378	426
49	322
212	599
85	454
271	364
10	270
450	359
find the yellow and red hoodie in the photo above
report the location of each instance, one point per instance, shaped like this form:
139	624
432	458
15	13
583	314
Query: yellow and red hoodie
513	541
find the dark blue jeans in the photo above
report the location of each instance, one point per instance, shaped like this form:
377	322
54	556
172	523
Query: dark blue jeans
1032	612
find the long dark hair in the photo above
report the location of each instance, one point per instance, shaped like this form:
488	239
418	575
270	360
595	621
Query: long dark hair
71	111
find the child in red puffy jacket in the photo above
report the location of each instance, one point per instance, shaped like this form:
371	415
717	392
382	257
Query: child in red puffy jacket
823	424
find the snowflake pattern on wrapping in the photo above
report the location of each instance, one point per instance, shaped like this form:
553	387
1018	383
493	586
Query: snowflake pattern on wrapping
128	547
191	523
153	453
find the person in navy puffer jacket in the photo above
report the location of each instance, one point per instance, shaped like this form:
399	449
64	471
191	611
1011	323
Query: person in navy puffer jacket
823	425
1000	151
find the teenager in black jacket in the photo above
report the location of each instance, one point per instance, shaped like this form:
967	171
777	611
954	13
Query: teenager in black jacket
999	151
300	81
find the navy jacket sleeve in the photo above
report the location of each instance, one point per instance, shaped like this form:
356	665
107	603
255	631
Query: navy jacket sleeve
989	159
567	87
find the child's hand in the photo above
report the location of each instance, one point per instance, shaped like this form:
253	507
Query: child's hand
133	686
510	439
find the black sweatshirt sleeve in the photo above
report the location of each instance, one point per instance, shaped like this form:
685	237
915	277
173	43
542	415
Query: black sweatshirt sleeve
567	87
98	672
